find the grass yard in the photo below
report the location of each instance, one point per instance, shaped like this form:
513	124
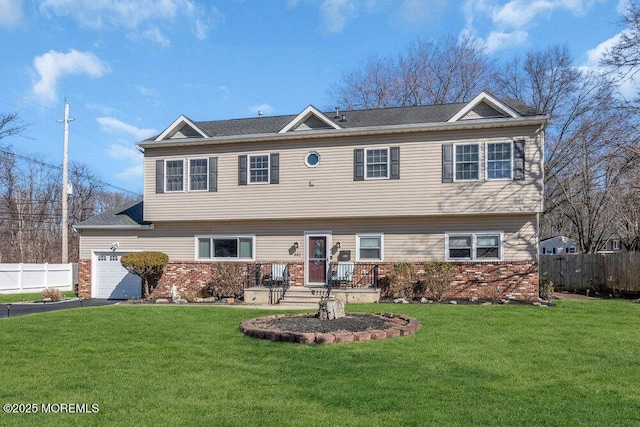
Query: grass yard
35	296
575	364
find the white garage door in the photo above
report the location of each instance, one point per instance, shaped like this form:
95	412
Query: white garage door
113	281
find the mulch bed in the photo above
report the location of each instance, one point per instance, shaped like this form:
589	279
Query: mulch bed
308	329
312	324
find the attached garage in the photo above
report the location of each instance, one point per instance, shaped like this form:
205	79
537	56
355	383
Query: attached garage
112	280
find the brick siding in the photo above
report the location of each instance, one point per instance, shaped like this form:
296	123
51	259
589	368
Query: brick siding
484	281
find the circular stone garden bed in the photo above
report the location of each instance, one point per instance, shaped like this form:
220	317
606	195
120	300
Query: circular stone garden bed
308	329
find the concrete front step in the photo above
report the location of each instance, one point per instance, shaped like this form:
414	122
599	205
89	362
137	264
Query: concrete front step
299	295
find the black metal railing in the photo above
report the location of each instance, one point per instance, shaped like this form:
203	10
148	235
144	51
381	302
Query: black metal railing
274	276
354	275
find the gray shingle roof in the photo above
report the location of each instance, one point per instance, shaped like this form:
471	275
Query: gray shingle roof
353	118
124	216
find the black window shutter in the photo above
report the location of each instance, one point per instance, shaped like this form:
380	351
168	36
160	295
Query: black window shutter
275	168
242	170
395	162
358	164
518	160
213	174
159	176
447	163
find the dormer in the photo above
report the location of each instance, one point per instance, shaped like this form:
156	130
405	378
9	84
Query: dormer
484	106
310	119
182	128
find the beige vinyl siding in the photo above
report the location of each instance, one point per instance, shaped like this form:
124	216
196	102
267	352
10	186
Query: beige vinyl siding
405	238
328	190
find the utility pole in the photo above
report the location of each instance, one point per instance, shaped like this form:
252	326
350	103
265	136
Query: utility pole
65	186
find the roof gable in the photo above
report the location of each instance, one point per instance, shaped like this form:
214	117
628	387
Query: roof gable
182	127
484	106
310	119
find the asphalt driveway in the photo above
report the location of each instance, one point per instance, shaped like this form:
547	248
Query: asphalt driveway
19	309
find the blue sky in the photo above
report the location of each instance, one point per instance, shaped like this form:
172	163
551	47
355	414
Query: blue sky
129	68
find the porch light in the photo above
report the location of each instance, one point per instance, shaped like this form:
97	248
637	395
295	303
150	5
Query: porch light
296	245
339	244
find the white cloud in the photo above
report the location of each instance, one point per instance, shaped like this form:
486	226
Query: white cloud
129	156
623	6
419	11
596	54
52	66
520	13
226	93
511	21
334	13
628	87
115	126
264	108
147	92
10	13
497	40
133	15
155	35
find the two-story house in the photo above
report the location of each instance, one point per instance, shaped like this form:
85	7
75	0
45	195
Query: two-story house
461	183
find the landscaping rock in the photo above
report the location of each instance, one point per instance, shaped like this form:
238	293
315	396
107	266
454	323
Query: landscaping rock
162	301
453	302
400	301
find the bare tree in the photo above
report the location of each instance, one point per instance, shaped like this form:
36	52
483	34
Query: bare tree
9	125
582	162
30	207
624	56
429	72
589	185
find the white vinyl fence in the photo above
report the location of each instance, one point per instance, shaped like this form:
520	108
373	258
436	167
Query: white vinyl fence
23	278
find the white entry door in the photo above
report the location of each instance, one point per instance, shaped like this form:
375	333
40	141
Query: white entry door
113	281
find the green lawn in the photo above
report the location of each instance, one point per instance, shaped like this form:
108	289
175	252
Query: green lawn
35	296
575	364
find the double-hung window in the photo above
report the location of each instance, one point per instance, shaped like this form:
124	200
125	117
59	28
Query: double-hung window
174	175
225	248
377	163
467	162
198	174
259	169
369	247
499	160
473	246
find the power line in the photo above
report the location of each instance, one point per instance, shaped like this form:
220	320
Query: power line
59	168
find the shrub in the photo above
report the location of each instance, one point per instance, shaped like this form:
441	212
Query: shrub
545	289
402	280
51	293
148	266
437	278
227	280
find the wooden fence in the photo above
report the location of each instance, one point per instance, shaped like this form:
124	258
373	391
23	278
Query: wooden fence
21	278
617	272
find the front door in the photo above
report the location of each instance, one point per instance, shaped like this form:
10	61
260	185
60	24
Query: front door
316	259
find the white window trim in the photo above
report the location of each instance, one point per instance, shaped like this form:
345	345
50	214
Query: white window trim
189	174
366	176
615	245
224	236
249	156
184	173
359	236
306	159
486	161
455	163
474	236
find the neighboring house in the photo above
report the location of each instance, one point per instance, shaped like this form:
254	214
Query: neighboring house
611	245
558	245
460	182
